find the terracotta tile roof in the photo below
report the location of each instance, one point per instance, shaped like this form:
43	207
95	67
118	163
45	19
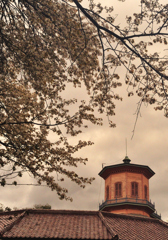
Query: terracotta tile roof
62	224
137	228
8	219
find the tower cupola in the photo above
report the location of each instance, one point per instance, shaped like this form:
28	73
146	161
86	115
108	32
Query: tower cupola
127	189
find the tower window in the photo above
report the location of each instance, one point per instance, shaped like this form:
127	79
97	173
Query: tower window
107	192
134	189
146	192
118	190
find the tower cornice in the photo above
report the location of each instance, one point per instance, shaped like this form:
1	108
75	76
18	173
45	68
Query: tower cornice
126	167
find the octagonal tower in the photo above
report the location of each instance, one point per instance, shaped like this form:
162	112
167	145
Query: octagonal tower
127	189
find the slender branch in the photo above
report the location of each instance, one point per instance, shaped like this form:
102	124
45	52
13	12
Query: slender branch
122	39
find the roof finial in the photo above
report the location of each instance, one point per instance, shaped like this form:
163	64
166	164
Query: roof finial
126	160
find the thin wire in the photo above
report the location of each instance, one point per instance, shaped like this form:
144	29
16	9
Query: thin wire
126	145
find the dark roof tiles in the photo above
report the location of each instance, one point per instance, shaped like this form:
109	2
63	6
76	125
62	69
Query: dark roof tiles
62	224
59	224
8	219
134	227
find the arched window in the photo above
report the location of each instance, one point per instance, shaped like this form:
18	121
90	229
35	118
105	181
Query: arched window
146	192
118	189
134	189
107	192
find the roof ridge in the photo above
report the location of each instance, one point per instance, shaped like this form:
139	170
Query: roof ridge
13	212
111	231
62	211
8	227
162	222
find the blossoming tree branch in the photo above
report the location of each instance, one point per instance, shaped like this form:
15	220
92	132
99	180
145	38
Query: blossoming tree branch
48	48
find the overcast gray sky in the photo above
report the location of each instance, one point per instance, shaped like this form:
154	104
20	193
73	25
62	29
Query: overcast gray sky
149	146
